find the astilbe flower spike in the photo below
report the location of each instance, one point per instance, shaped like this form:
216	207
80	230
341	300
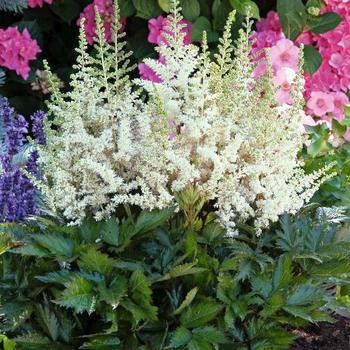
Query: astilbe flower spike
207	125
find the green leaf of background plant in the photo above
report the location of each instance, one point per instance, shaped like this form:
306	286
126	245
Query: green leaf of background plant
246	6
165	5
324	23
292	16
126	8
201	25
312	59
67	10
190	9
147	9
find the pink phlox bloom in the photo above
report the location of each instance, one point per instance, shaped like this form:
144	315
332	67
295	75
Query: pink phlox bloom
340	100
17	49
158	27
284	54
321	103
40	3
106	10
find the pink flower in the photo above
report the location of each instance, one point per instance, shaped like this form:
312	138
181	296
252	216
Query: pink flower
321	103
284	79
16	50
106	10
147	73
340	100
158	27
284	54
40	3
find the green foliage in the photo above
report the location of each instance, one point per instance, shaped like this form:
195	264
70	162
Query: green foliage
84	287
13	5
312	59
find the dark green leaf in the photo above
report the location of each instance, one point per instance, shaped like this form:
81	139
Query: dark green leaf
147	9
312	59
200	314
201	25
181	337
149	220
293	17
324	23
93	260
126	8
190	9
78	295
246	6
67	10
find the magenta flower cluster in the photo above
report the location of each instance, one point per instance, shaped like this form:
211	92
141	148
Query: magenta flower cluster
157	35
17	193
325	91
40	3
17	50
106	11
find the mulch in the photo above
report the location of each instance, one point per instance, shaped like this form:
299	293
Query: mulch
325	336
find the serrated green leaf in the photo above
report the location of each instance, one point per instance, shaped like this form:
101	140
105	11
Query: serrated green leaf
324	23
273	304
283	272
312	59
141	294
292	16
47	320
102	343
56	244
338	128
110	232
200	314
188	300
149	220
210	334
78	295
181	337
182	270
93	260
114	292
59	277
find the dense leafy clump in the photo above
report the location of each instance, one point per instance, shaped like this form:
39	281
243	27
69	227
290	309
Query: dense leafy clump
206	125
153	281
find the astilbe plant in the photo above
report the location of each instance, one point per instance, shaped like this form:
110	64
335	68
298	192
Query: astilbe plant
208	125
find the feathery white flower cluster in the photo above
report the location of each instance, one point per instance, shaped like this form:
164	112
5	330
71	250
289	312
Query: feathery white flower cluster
208	124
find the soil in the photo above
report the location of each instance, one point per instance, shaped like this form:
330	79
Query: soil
325	336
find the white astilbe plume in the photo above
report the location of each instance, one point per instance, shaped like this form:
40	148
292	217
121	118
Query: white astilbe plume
208	124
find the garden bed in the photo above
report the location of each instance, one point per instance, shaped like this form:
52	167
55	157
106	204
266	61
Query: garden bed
325	336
